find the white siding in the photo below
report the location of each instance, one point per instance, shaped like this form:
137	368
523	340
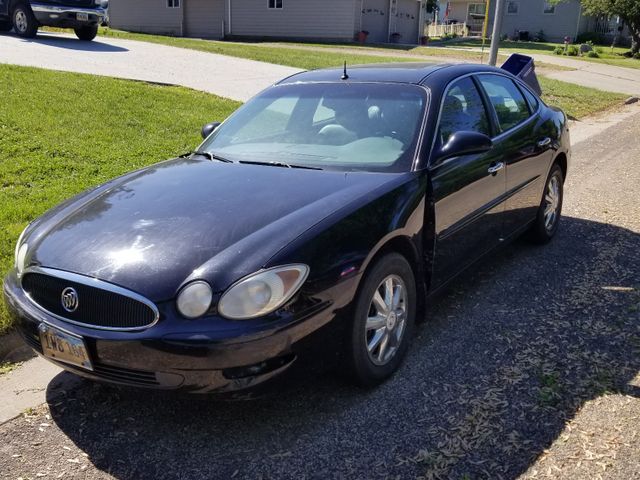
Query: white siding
203	18
150	16
326	19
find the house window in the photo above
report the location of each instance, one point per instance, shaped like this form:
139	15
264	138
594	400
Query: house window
275	3
173	3
549	8
477	9
512	8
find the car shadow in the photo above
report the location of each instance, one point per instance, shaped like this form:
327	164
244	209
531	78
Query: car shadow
507	356
95	46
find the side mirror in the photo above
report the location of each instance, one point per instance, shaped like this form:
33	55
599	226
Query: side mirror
465	143
209	128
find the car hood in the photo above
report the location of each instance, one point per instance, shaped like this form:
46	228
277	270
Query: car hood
151	230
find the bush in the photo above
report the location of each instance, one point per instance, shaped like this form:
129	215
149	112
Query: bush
573	51
599	50
592	37
593	54
637	56
558	50
540	36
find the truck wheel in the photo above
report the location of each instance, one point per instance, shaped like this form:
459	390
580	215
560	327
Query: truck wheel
24	23
86	33
5	25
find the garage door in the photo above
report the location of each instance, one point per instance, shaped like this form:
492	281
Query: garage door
203	18
408	20
375	20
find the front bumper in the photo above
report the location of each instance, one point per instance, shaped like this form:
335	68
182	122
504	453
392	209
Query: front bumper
164	357
68	17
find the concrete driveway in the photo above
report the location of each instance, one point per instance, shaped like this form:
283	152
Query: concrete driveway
229	77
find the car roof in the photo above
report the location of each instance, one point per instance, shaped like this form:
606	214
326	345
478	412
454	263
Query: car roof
410	72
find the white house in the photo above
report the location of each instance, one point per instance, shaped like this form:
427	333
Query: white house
329	20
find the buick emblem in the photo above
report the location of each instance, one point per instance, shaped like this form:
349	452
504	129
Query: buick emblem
69	299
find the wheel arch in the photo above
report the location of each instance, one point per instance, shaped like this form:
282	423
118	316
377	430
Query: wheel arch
562	161
407	247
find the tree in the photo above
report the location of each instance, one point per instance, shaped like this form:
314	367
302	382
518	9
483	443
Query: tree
627	10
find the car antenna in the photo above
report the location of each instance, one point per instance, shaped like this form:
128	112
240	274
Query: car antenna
344	74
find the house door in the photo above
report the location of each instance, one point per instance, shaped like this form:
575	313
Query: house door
408	21
203	18
375	20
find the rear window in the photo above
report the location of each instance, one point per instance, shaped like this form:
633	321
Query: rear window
507	100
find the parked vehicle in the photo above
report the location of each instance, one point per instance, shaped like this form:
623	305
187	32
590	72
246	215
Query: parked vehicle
25	17
327	211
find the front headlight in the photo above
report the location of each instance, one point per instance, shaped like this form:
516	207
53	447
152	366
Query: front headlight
195	299
20	253
263	292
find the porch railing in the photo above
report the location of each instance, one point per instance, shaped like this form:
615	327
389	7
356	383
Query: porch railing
440	30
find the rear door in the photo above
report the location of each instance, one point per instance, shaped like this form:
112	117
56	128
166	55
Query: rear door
468	190
526	144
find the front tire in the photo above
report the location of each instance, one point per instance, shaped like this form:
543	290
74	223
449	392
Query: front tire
86	33
384	318
548	217
24	22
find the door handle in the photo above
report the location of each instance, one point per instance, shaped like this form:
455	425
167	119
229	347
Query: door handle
495	168
544	142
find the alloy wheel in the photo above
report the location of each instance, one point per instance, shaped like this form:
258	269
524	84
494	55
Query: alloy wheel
385	325
552	203
21	21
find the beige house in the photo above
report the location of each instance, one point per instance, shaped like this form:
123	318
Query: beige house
555	20
329	20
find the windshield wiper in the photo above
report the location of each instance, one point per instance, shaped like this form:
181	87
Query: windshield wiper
209	155
279	164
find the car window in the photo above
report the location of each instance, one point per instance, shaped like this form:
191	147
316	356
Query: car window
508	102
342	126
463	110
271	120
531	98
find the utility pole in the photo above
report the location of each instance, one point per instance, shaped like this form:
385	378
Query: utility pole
497	28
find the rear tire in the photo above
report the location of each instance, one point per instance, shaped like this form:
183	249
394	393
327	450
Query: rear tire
5	25
384	317
548	217
87	33
24	22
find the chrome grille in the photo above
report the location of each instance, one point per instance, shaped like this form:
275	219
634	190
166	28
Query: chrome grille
99	304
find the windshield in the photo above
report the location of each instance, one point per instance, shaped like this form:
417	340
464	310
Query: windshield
365	127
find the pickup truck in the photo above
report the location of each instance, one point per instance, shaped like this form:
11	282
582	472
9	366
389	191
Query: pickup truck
25	16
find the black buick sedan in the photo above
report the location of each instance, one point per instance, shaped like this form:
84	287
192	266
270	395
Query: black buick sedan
329	208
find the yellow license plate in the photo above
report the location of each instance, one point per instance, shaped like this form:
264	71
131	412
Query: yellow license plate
64	347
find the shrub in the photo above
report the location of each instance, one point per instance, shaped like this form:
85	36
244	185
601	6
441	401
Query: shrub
573	51
540	36
558	50
599	50
593	54
637	56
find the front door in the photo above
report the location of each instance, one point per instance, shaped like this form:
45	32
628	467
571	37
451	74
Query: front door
468	191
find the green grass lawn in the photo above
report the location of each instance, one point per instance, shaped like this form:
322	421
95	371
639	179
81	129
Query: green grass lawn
61	133
608	56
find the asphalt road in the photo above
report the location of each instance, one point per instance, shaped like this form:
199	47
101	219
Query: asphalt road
506	358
